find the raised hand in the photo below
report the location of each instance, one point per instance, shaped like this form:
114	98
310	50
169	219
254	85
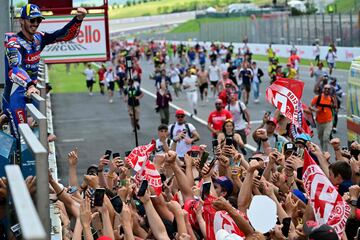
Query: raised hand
73	157
81	13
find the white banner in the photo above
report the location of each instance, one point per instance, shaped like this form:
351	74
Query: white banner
89	45
344	54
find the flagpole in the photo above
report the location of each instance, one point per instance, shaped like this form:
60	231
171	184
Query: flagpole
129	67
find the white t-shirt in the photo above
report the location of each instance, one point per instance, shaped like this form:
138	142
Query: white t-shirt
109	76
190	82
255	77
238	118
89	73
214	73
174	75
181	146
316	50
223	53
159	149
223	67
330	57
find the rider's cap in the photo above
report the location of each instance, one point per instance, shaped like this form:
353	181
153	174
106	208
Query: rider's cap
30	11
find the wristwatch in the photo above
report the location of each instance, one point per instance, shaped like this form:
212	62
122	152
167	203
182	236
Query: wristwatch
353	203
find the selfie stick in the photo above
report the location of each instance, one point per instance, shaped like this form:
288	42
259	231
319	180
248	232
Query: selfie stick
129	67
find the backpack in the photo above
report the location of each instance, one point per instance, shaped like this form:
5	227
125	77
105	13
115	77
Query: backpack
186	127
318	104
276	142
241	111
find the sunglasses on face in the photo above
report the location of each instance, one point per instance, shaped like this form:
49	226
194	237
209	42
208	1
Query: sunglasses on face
255	158
180	116
35	20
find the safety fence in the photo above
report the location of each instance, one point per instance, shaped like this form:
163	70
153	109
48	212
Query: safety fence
42	222
342	29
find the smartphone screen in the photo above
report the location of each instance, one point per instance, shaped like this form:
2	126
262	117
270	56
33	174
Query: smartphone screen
194	154
115	155
228	141
117	204
99	197
286	226
205	190
72	189
215	143
142	189
203	159
212	162
127	153
107	154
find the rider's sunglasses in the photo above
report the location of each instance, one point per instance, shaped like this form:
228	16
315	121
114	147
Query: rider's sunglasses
35	20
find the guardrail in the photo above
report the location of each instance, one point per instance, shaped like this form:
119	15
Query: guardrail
42	177
56	228
30	224
36	224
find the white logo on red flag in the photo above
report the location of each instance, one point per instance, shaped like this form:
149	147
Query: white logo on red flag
137	158
329	207
219	220
139	155
285	95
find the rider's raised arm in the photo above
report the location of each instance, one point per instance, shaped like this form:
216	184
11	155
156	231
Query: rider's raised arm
67	33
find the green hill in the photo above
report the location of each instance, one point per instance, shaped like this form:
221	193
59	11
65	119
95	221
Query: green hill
155	7
345	6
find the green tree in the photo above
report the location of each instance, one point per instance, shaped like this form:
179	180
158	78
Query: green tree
20	4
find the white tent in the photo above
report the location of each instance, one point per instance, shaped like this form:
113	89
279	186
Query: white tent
299	5
210	10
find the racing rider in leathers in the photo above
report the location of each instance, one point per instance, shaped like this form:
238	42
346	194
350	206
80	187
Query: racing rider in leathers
22	58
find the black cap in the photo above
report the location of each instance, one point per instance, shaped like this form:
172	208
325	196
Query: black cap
319	232
289	146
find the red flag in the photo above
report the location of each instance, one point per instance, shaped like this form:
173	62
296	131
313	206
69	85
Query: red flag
216	220
151	175
138	160
285	95
329	207
139	155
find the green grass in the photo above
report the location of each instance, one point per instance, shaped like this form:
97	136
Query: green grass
168	6
69	83
306	62
75	81
194	24
345	6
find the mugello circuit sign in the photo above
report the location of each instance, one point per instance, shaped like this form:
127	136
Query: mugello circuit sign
89	45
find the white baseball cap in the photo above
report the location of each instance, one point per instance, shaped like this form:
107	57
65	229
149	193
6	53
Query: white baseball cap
225	235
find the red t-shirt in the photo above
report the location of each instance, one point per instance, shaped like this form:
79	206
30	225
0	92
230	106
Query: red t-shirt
217	119
101	73
223	96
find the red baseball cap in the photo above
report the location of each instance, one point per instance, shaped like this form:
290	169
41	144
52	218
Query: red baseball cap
104	238
195	148
273	120
180	112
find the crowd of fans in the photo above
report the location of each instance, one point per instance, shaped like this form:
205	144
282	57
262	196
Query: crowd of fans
198	180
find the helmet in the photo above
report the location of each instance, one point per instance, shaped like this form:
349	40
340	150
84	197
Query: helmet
30	11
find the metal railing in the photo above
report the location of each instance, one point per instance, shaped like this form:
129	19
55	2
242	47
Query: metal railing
42	177
41	120
40	102
38	225
342	29
30	224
